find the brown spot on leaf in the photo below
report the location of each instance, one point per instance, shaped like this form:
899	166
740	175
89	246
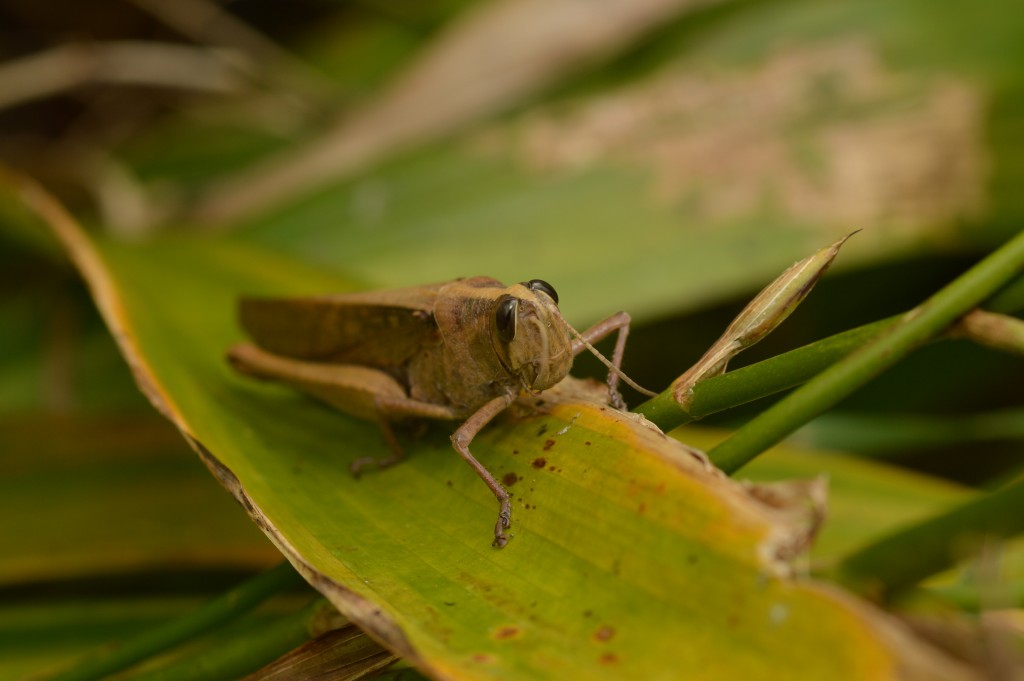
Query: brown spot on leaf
642	508
608	658
506	632
483	658
510	479
543	429
539	462
604	633
548	444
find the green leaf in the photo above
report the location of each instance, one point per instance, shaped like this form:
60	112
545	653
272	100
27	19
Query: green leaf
210	617
48	636
867	499
940	542
630	557
98	497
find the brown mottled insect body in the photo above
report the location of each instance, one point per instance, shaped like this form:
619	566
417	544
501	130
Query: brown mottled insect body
460	350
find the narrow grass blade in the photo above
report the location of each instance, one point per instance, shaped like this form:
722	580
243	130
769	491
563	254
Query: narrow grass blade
212	615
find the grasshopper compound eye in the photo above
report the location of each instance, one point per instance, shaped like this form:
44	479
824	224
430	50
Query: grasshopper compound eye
544	287
505	317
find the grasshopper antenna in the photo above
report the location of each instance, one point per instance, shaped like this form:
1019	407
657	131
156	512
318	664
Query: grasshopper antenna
608	363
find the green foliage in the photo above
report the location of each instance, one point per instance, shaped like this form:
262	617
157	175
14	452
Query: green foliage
671	174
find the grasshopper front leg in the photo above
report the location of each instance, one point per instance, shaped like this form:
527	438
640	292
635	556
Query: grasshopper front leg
461	439
599	331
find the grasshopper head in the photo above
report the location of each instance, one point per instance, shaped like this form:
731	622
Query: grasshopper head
532	342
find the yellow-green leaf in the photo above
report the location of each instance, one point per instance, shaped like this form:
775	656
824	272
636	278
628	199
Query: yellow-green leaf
630	558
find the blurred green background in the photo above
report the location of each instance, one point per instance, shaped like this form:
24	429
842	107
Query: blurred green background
666	158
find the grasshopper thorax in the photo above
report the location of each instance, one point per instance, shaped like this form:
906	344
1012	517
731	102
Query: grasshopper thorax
529	337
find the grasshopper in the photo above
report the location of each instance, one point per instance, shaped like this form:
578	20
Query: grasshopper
459	350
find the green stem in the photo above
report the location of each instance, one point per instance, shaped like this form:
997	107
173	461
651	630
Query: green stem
886	567
213	614
761	379
787	370
911	331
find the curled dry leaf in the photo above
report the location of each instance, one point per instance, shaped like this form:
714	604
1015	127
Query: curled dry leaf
759	318
342	653
804	503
